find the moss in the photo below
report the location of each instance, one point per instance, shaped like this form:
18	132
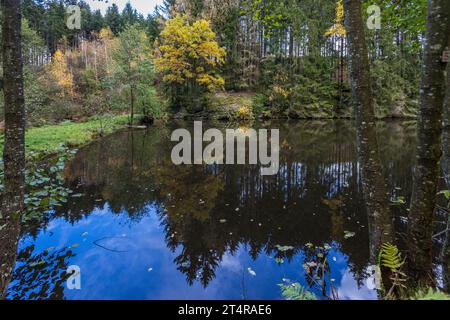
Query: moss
48	139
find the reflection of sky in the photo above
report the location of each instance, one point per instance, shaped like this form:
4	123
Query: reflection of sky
146	269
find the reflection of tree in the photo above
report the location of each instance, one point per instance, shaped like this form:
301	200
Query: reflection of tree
372	177
40	276
9	234
209	211
187	191
318	270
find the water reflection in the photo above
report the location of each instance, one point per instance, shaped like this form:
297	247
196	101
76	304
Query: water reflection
148	229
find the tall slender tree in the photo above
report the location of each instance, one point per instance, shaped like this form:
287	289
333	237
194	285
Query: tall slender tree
14	149
374	186
429	149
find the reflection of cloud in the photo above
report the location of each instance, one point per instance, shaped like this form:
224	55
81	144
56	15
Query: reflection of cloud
349	290
231	263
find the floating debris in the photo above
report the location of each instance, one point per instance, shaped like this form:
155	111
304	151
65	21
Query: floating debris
284	248
77	195
310	265
349	234
252	273
35	264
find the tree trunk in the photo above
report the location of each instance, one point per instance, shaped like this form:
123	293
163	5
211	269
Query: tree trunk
14	149
429	149
445	256
447	101
131	105
374	186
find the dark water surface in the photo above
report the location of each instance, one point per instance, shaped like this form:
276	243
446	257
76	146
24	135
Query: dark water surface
140	227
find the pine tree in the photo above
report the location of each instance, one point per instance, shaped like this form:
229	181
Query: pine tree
113	19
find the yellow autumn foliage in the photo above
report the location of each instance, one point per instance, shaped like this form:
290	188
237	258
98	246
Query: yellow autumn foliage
189	52
338	29
59	71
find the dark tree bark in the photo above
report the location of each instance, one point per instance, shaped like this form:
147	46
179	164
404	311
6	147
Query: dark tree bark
429	149
445	252
374	185
14	150
447	101
445	256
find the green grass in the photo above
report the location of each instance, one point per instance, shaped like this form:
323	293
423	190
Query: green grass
47	139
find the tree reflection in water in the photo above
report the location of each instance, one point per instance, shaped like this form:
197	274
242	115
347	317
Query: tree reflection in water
40	275
208	212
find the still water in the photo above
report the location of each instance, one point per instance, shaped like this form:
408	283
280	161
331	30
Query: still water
139	227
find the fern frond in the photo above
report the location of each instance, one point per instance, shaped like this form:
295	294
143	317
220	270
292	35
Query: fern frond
390	257
431	295
296	291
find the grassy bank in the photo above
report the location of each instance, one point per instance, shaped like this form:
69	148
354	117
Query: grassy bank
47	139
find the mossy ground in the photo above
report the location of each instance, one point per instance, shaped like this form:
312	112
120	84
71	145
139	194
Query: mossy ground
48	139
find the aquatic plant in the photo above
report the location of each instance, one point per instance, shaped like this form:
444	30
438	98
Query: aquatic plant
296	291
44	183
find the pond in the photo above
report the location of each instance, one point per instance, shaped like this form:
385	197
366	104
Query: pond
140	227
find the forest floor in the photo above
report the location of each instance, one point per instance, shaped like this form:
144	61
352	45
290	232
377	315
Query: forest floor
48	139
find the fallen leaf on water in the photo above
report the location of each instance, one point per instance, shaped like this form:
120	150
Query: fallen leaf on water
284	248
349	234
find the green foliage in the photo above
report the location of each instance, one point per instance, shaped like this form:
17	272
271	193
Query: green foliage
48	139
431	295
133	66
44	182
45	185
398	201
390	260
298	91
296	291
390	257
394	95
445	193
409	18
